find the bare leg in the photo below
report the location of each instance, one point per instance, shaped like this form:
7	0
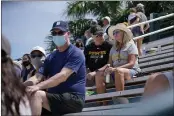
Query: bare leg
37	101
121	74
100	85
155	84
139	46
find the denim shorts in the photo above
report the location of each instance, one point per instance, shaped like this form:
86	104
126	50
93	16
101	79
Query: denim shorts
132	73
137	31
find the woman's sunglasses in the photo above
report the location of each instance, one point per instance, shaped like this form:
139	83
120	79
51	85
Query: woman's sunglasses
36	55
98	35
116	32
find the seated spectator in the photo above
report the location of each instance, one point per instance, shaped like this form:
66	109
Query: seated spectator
106	23
14	100
79	44
88	36
38	55
65	73
88	33
97	55
158	83
123	58
27	67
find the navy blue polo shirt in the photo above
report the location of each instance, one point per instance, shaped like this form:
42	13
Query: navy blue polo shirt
71	58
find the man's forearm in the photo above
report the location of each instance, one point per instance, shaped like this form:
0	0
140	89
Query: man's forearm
52	82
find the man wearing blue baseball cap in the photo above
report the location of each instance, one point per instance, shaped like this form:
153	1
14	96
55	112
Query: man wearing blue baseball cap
65	71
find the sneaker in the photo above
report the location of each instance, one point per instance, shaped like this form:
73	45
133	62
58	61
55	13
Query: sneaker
120	100
88	93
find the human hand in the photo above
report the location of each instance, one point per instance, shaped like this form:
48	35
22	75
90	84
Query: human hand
32	89
109	70
91	75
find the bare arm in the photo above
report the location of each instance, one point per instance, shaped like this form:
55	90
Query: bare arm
147	27
105	66
56	79
142	28
34	79
110	60
131	62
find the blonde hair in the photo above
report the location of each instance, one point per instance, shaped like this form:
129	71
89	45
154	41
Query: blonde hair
126	39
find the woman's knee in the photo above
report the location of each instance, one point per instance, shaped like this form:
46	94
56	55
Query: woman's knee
38	95
119	71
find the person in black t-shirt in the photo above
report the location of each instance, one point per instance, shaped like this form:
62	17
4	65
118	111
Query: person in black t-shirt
97	55
27	67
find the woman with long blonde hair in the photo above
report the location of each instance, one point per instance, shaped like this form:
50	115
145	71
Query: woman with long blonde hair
123	57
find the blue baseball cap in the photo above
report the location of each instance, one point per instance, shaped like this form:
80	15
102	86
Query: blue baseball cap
62	25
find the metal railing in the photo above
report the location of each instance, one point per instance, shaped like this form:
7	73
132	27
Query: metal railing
154	32
152	20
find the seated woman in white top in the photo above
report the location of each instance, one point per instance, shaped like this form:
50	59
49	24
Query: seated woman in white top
123	57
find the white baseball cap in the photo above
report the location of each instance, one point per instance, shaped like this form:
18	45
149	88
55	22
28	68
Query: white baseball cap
131	16
38	48
107	18
140	5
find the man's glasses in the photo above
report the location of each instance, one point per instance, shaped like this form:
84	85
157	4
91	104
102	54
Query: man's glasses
36	55
116	32
53	33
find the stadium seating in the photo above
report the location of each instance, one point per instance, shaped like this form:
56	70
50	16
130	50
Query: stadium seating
160	60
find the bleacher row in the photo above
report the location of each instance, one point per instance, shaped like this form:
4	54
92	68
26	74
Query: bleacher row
162	60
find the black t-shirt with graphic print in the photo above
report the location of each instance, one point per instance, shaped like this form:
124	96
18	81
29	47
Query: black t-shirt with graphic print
97	56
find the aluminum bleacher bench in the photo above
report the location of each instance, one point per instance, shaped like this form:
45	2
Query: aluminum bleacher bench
157	62
158	105
164	50
158	68
161	42
118	106
105	96
156	57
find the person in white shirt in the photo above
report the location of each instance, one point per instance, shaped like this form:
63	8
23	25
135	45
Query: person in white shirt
106	24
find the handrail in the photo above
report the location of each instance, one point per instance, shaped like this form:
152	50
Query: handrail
152	20
154	32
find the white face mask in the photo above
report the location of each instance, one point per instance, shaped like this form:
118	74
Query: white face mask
59	40
37	62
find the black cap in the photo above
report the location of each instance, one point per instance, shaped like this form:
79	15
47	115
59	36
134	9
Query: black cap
93	23
5	46
96	30
62	25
